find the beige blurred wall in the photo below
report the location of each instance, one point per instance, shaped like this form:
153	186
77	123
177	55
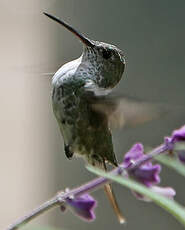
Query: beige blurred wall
25	110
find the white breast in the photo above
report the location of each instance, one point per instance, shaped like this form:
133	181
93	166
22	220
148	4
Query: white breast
66	70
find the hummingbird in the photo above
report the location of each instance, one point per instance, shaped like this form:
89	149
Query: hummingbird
84	108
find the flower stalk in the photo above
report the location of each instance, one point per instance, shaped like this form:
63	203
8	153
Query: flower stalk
61	197
136	164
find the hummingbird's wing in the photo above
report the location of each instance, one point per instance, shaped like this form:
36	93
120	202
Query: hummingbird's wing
121	110
125	111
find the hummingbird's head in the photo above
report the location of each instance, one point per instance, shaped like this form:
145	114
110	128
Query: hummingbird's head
106	61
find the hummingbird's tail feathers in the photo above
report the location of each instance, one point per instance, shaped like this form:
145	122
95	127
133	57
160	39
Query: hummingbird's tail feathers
110	195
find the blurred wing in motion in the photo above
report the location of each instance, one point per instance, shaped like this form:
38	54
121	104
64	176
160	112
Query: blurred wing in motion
122	110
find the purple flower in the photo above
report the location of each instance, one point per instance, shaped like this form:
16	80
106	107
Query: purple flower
133	154
176	137
147	173
83	206
168	192
178	134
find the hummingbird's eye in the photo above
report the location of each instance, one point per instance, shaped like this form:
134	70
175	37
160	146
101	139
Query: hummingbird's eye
106	54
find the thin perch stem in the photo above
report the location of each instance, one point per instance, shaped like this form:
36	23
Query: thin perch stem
34	213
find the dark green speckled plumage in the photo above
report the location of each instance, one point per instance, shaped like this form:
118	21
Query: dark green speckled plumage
76	87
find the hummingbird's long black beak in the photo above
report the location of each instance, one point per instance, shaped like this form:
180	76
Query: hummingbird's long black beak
85	40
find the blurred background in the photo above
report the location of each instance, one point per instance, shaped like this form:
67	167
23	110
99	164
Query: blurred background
33	166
